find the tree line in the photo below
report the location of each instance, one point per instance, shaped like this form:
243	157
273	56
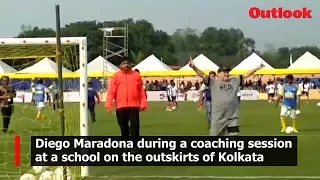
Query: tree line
222	46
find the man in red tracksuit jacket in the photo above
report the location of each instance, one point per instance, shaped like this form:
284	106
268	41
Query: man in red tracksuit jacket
126	88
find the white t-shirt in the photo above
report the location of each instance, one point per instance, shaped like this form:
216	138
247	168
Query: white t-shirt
172	90
271	88
279	86
300	85
53	89
306	87
203	87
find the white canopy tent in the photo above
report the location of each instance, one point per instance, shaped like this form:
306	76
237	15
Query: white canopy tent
46	65
5	68
306	61
203	63
152	63
252	62
96	66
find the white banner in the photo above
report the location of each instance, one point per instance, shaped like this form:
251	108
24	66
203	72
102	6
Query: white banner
245	95
249	95
193	95
162	96
26	97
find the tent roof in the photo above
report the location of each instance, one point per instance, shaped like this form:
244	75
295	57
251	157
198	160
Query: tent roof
152	63
252	62
203	63
5	68
46	65
96	66
306	61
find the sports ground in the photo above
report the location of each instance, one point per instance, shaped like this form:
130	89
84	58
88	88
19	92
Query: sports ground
258	118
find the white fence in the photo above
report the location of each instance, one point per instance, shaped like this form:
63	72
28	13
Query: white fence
25	97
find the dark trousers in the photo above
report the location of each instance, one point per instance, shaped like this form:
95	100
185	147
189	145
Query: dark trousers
132	116
92	112
6	117
55	101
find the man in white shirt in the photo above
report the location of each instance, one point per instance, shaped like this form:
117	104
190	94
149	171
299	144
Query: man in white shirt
33	90
271	89
172	93
306	86
279	86
54	93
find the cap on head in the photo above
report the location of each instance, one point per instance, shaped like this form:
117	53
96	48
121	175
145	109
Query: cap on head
224	69
137	70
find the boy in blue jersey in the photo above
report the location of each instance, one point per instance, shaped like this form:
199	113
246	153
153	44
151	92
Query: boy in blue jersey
92	96
290	95
39	92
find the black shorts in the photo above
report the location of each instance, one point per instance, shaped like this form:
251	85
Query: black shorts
48	97
305	93
271	95
173	98
169	99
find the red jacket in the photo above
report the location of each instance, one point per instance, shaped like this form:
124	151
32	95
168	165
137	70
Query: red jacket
126	88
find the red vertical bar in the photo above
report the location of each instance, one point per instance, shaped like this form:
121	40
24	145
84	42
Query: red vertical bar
17	147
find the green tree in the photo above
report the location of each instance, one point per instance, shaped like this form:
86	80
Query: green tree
222	46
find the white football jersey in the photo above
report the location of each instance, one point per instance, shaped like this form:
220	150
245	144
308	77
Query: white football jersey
306	87
271	88
300	85
172	90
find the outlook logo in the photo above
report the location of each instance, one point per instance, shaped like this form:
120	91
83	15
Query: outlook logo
280	13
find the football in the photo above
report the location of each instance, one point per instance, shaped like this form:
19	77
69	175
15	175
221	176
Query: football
27	176
38	169
59	174
318	104
47	175
298	112
289	130
174	107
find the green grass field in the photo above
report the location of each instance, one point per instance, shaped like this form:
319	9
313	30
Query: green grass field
257	118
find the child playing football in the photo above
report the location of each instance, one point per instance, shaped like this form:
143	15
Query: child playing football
40	91
172	93
290	96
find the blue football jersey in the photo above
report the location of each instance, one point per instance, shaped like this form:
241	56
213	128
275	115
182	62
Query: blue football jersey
39	93
290	94
92	93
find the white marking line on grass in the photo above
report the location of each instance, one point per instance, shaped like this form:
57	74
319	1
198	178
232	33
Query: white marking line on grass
207	177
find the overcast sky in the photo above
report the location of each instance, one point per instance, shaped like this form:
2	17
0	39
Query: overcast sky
170	15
